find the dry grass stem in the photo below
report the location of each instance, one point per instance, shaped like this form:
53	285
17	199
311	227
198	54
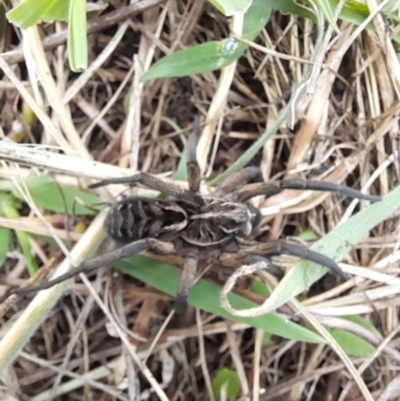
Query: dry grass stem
331	100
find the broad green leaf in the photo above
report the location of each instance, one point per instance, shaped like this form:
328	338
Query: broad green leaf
31	12
336	245
229	378
206	296
47	195
364	323
231	7
77	37
353	345
293	7
211	55
195	60
256	18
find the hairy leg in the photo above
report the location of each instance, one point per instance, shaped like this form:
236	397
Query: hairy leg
283	248
271	188
105	259
155	183
237	180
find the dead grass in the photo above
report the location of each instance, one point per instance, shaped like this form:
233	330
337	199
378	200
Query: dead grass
112	338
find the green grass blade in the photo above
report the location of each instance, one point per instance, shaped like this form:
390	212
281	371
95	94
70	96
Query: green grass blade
231	7
325	7
47	195
77	38
5	237
31	12
336	245
206	296
8	208
352	344
211	55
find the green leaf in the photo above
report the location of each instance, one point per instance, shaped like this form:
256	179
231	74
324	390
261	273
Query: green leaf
31	12
259	288
256	18
335	245
293	7
47	195
77	37
181	172
195	60
229	378
7	209
352	344
307	235
5	236
325	7
364	323
212	55
206	296
231	7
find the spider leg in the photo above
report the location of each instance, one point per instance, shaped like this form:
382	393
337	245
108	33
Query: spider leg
271	188
281	248
193	169
245	176
186	283
155	183
105	259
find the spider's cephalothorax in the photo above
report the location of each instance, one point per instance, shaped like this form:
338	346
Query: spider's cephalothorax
195	227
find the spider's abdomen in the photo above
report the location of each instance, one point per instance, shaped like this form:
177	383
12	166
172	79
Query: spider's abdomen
136	218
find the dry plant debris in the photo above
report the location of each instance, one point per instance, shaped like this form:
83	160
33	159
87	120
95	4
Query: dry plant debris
114	338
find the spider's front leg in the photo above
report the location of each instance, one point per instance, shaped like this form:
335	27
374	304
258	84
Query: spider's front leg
275	248
105	259
155	183
239	179
272	188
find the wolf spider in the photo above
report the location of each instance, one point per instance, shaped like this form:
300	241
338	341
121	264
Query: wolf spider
193	226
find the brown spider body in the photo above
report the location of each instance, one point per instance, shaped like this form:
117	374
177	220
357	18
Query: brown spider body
195	227
215	224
